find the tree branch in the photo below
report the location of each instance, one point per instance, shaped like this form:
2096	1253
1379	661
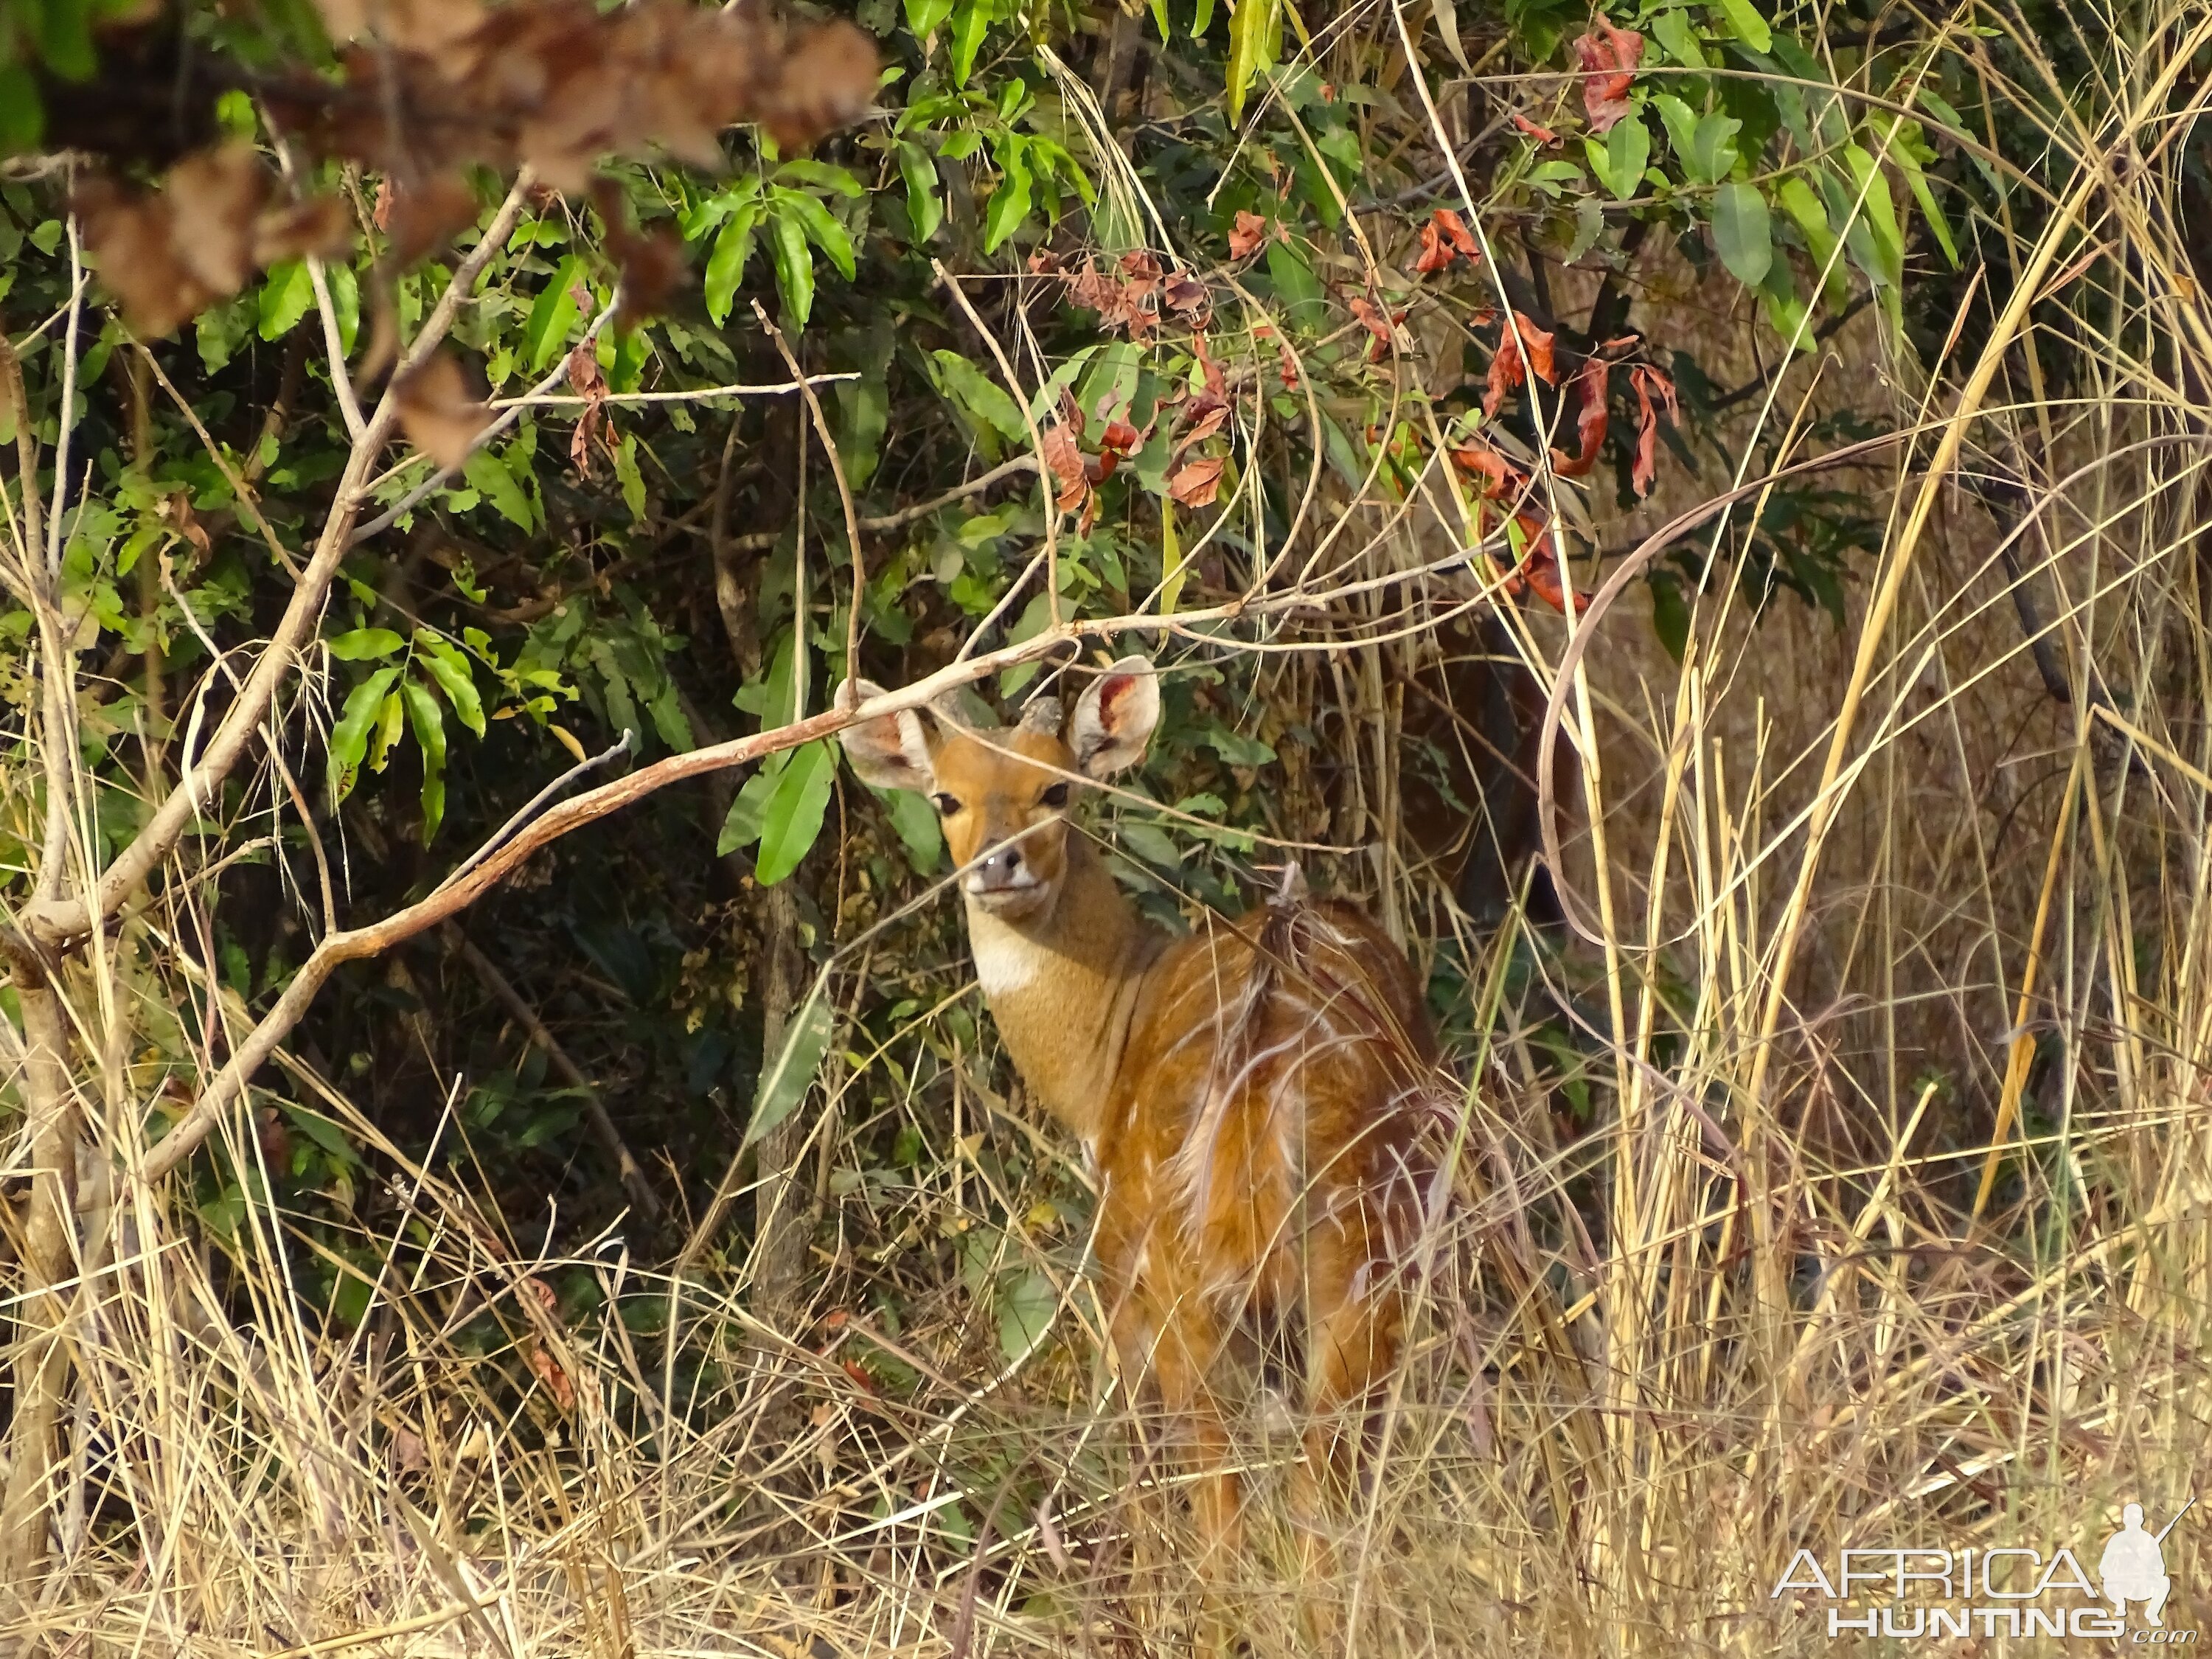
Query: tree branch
57	922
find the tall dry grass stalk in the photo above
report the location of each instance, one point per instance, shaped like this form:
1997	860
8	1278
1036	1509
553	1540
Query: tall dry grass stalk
1886	1224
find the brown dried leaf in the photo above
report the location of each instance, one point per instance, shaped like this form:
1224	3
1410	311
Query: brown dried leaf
1248	235
827	82
424	213
439	414
321	225
1197	483
214	197
1609	56
1591	384
1063	458
1649	383
548	1372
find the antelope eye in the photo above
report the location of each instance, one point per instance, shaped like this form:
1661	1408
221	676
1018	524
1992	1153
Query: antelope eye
1055	796
946	805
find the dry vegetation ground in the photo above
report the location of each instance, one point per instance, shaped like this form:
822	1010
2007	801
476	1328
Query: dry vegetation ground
1740	1294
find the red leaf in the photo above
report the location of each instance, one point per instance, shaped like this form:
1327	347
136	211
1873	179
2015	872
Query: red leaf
1539	346
1377	322
1541	135
1540	563
1455	231
1609	57
1444	238
1500	474
1591	384
1120	438
1064	456
1249	232
1434	256
549	1373
1506	371
861	1379
1647	381
1207	415
1197	483
1216	382
437	413
1186	293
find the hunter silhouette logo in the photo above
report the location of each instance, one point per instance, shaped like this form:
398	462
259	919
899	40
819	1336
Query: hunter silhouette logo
1997	1590
2133	1566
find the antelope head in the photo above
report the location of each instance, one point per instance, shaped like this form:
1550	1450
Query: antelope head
1003	795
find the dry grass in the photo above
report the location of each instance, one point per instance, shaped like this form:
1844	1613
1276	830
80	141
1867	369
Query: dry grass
1751	1303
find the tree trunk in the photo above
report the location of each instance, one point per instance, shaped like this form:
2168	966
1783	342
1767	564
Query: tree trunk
782	1206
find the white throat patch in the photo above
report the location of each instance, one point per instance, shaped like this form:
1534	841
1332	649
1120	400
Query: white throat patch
1005	962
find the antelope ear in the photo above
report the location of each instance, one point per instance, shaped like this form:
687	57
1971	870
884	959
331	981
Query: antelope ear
892	751
1113	720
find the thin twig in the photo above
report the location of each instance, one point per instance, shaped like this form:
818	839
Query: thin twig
502	990
844	491
1037	439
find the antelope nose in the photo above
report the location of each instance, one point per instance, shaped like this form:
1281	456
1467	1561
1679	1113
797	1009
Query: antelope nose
998	871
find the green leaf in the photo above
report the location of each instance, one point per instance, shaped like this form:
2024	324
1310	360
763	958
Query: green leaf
1202	20
446	665
969	24
822	175
1909	164
1619	161
725	265
1235	747
428	720
1680	41
1712	148
919	169
1879	217
346	303
22	118
362	643
980	395
1749	27
741	825
489	476
349	737
1305	305
390	715
64	29
1160	21
285	297
792	817
1743	232
1026	1305
785	1083
916	820
1680	122
821	227
1784	310
630	477
1252	26
545	331
794	269
1010	203
924	16
1811	219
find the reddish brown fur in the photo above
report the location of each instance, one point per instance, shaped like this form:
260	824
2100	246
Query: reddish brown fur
1254	1095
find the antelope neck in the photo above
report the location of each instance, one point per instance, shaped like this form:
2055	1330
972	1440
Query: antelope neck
1064	986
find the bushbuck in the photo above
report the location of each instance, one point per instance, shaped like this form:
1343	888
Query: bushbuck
1254	1096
